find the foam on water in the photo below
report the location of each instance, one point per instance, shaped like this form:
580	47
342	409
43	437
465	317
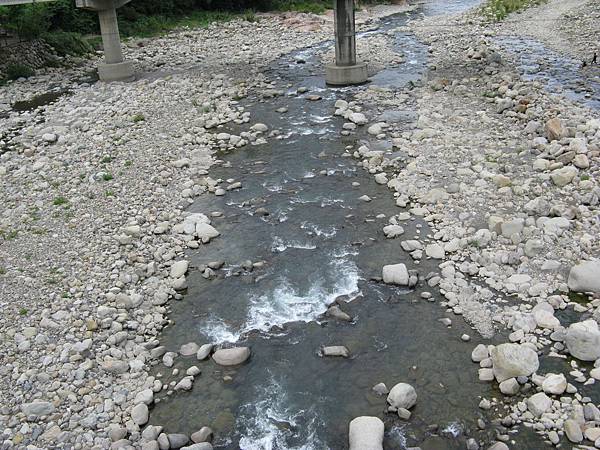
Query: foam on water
326	232
397	435
269	423
286	304
218	332
279	245
454	429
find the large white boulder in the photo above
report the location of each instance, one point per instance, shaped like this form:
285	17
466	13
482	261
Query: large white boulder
585	277
402	395
366	433
555	384
543	313
583	340
513	360
231	356
395	274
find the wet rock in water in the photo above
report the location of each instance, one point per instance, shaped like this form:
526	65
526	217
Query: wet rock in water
583	340
402	395
381	389
538	404
404	414
366	433
573	431
392	231
335	350
365	198
395	274
185	384
199	446
259	127
358	118
189	349
479	353
555	384
177	440
336	312
585	277
513	360
178	269
543	313
204	351
499	446
202	435
231	356
206	232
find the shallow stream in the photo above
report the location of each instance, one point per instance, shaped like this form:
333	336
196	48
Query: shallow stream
318	242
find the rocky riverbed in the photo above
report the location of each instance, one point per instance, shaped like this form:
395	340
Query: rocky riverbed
492	210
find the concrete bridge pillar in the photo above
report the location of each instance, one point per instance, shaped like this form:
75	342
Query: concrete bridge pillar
345	70
114	67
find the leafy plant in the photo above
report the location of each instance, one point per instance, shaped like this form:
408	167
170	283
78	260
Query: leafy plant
18	70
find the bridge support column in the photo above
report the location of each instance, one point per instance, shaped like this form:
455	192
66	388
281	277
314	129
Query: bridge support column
114	67
346	70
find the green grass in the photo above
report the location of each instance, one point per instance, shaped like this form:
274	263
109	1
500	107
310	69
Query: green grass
58	201
107	177
66	43
498	10
14	71
138	118
23	311
156	25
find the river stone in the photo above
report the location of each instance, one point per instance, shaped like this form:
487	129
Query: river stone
585	277
583	340
435	251
37	408
381	389
178	269
177	440
563	176
573	431
555	129
499	446
231	356
395	274
139	414
479	353
543	313
555	384
513	360
204	351
336	312
202	435
206	232
538	404
199	446
402	395
188	349
358	118
509	387
366	433
335	350
392	231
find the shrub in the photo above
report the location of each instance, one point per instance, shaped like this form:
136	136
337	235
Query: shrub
67	43
18	70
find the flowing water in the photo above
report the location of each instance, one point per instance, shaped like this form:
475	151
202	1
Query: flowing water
559	73
319	242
